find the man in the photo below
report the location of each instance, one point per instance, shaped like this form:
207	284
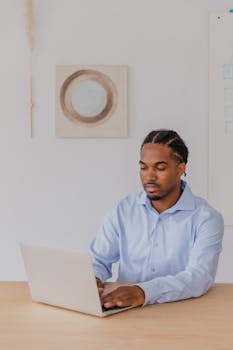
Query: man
167	240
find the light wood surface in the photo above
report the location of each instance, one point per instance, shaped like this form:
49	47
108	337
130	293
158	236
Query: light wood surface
205	323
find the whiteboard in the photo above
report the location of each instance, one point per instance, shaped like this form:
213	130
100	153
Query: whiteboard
221	114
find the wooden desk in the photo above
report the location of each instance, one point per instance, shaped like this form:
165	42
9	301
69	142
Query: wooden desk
205	323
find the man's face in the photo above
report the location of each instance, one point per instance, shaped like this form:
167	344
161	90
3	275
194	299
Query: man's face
160	172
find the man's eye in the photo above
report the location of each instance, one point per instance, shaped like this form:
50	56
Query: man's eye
161	169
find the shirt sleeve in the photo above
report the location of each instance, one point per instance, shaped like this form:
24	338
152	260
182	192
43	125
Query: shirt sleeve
104	249
200	272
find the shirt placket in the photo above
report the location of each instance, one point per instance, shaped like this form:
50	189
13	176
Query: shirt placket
154	246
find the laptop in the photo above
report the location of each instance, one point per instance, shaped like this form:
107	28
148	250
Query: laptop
65	278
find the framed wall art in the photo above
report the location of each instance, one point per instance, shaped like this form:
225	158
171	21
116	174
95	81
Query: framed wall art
91	101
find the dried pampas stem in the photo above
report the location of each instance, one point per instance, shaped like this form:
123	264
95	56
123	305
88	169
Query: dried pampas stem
29	32
29	23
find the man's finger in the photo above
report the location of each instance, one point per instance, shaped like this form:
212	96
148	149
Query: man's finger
100	286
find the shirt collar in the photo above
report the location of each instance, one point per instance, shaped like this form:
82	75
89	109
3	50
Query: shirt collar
185	202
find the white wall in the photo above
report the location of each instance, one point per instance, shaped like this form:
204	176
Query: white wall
56	191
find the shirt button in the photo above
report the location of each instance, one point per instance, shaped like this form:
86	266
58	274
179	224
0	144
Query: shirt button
153	269
156	244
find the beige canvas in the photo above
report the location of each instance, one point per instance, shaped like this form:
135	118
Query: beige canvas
91	101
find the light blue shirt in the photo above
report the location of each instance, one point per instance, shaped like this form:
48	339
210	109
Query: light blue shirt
171	256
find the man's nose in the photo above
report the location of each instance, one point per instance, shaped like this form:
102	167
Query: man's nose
151	174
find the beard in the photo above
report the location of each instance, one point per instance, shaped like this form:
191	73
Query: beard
154	198
161	193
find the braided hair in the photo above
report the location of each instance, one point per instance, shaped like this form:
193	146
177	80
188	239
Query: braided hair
171	139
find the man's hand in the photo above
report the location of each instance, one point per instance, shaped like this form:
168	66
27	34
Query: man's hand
100	286
124	296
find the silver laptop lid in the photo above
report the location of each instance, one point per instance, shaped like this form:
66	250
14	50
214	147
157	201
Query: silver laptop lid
61	278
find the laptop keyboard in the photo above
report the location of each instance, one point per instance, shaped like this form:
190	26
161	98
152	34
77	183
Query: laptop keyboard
104	309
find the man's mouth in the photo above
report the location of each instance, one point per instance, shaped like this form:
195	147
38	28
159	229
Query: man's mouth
151	187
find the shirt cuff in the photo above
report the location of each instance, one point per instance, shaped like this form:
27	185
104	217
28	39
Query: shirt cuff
149	293
100	275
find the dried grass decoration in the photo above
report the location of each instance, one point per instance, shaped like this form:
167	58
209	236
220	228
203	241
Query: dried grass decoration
29	32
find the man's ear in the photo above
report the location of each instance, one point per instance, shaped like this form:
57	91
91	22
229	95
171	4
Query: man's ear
181	169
